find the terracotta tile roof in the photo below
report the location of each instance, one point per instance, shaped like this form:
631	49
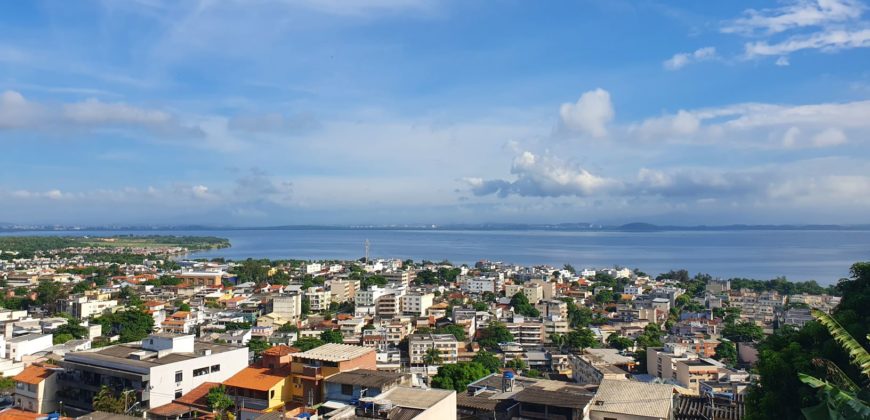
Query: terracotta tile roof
259	379
197	396
171	410
181	314
280	351
33	374
154	303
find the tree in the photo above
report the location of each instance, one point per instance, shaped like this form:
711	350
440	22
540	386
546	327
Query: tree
184	307
521	305
73	329
219	401
741	332
131	325
331	336
619	342
257	346
308	343
61	338
580	339
516	364
7	384
488	360
493	334
288	328
432	357
457	376
841	396
106	401
790	352
569	268
457	330
726	352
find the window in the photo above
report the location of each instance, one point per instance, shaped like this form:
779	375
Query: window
200	372
215	368
272	394
346	389
179	376
177	393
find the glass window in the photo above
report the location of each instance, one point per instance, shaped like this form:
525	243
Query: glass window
179	376
215	368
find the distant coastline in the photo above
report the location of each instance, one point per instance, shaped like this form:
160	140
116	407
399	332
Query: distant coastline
566	227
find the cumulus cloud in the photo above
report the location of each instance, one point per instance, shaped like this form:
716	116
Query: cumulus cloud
590	114
16	111
544	176
681	60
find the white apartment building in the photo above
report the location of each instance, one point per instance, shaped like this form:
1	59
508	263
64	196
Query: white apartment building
25	345
318	298
84	307
480	285
288	306
419	345
416	304
313	268
159	369
369	297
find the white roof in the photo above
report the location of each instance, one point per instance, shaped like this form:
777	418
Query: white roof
633	398
333	352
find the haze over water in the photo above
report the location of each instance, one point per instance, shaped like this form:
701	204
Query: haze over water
824	256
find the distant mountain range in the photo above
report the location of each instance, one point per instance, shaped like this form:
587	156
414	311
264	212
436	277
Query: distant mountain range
630	227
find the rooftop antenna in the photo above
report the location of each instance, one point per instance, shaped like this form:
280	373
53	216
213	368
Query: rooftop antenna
367	243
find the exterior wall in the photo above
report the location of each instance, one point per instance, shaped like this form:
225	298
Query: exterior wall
163	385
16	350
442	410
287	306
40	398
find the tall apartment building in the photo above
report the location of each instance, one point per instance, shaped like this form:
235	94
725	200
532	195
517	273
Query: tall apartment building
526	332
404	277
287	306
318	298
159	369
388	306
419	345
416	304
552	307
343	290
84	307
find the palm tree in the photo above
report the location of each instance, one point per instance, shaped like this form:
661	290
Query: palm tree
432	357
838	392
558	340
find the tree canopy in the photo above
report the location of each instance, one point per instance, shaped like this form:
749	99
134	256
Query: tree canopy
457	376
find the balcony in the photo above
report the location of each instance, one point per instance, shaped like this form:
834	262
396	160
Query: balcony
313	372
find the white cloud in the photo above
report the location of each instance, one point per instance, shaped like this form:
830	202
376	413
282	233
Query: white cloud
782	61
591	114
680	60
827	41
797	14
544	176
756	124
94	111
830	137
16	111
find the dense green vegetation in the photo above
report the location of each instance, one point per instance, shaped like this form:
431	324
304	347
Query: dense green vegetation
783	286
780	393
28	246
457	376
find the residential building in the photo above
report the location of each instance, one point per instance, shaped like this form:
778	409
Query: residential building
159	369
310	368
416	303
388	306
552	307
596	365
343	290
36	389
348	387
84	307
201	278
287	306
403	403
264	387
629	400
25	345
419	345
318	298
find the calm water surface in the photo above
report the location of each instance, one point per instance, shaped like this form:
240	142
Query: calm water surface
824	256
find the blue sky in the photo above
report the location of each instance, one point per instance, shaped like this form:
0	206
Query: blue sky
407	111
